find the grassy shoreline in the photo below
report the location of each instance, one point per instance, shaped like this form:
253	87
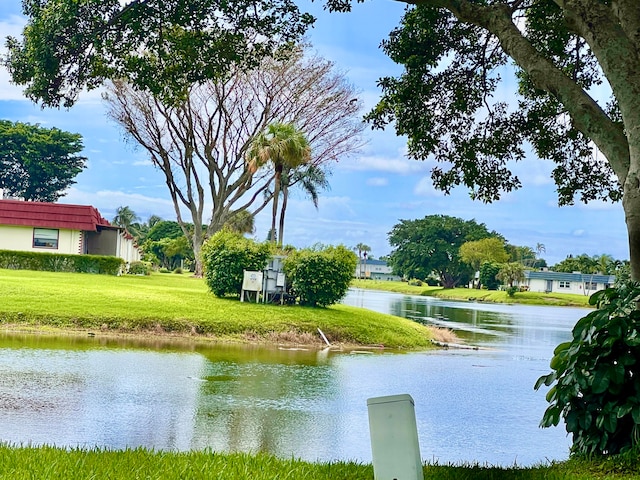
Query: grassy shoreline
180	305
473	295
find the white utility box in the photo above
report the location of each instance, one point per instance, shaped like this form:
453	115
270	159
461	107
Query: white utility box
394	438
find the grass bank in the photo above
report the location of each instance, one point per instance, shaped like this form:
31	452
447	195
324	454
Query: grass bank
470	294
181	304
22	463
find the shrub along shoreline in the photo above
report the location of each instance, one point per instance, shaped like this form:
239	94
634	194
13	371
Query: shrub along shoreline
180	305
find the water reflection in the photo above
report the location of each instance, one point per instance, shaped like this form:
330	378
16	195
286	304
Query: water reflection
471	406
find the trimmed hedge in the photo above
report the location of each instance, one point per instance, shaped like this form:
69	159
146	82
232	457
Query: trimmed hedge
225	257
321	276
59	262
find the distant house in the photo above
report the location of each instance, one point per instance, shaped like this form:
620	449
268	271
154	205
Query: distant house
61	228
580	283
375	270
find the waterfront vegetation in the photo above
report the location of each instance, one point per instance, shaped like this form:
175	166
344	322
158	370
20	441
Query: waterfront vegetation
163	304
181	305
477	295
21	463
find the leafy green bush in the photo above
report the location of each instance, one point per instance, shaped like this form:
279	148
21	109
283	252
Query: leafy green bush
178	271
597	376
226	255
320	277
488	272
58	262
139	268
511	291
415	282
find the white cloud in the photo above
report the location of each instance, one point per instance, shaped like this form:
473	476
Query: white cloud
578	233
398	165
425	188
142	163
106	201
377	182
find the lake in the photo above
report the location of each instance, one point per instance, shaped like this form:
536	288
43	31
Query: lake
471	405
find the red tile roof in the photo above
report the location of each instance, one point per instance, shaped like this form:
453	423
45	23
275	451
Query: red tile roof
51	215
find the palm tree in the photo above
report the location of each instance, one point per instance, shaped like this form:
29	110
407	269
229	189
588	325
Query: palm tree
125	217
241	222
285	147
310	178
362	249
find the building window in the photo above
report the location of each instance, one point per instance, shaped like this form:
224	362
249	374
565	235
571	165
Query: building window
591	285
45	238
564	284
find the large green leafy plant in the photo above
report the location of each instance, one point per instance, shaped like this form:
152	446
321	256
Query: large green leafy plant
596	376
320	277
225	257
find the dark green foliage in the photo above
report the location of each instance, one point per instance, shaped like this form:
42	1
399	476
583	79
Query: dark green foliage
38	164
320	277
488	272
511	291
443	102
161	46
139	268
226	255
431	245
56	262
596	376
169	253
164	229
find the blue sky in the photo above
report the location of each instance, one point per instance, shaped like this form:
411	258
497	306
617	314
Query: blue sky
369	193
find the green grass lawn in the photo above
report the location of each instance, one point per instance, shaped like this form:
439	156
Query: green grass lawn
471	294
182	304
22	463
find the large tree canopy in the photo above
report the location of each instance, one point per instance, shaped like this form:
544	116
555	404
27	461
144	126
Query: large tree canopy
36	163
453	52
201	144
161	46
432	245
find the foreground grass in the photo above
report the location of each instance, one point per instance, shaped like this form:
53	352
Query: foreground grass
470	294
181	304
21	463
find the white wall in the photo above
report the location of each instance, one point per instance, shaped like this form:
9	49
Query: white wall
21	238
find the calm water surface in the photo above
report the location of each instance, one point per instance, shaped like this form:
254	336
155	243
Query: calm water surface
471	405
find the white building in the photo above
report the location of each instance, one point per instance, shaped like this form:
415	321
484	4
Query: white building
579	283
62	228
375	270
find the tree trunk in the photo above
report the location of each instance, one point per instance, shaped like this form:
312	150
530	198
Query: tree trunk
283	210
274	211
631	204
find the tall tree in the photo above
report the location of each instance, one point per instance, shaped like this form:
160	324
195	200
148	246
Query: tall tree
477	252
125	217
159	46
200	145
310	179
510	273
363	249
38	164
432	245
452	52
283	146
